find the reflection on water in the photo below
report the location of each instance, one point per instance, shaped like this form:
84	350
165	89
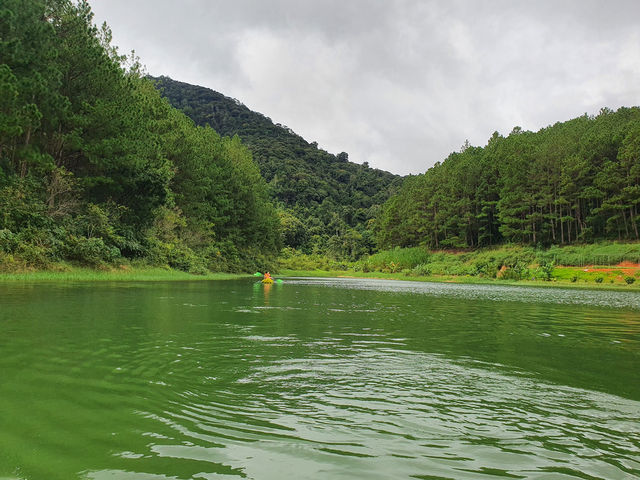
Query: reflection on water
500	293
317	379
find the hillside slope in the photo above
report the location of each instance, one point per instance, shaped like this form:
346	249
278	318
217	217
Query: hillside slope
326	202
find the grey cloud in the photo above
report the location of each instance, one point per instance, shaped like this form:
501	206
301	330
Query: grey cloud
398	83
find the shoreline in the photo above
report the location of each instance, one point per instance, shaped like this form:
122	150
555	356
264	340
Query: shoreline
635	287
158	274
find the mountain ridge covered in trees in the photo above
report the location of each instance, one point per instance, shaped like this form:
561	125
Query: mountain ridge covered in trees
574	181
327	204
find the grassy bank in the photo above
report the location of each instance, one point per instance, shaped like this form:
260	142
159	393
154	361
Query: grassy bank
111	275
603	265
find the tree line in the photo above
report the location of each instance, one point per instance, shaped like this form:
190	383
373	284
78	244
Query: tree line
95	165
575	181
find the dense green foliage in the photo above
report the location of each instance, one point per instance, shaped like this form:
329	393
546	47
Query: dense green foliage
326	203
577	181
95	166
489	262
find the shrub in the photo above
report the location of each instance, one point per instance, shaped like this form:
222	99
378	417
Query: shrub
599	279
8	241
518	271
421	270
33	255
545	270
398	258
22	206
89	251
460	269
486	268
295	260
181	258
198	269
7	262
32	246
629	280
176	256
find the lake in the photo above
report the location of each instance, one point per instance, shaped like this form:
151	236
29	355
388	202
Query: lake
317	379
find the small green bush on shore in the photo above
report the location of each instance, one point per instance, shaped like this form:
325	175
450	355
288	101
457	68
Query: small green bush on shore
545	270
292	259
395	260
518	271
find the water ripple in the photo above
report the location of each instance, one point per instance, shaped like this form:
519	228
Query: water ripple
426	415
499	293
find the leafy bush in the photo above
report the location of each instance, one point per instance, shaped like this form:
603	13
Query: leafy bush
8	241
629	280
486	268
89	251
292	259
421	270
181	258
518	271
460	269
599	279
176	256
398	259
22	206
33	255
545	270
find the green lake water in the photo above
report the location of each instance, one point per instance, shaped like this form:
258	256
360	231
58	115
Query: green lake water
317	379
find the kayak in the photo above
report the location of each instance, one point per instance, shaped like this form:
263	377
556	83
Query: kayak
266	280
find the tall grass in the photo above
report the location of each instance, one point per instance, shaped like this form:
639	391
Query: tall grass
394	260
89	275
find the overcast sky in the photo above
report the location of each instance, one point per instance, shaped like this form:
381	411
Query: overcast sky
397	83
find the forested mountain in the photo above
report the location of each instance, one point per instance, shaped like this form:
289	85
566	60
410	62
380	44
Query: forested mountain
577	181
96	166
326	203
